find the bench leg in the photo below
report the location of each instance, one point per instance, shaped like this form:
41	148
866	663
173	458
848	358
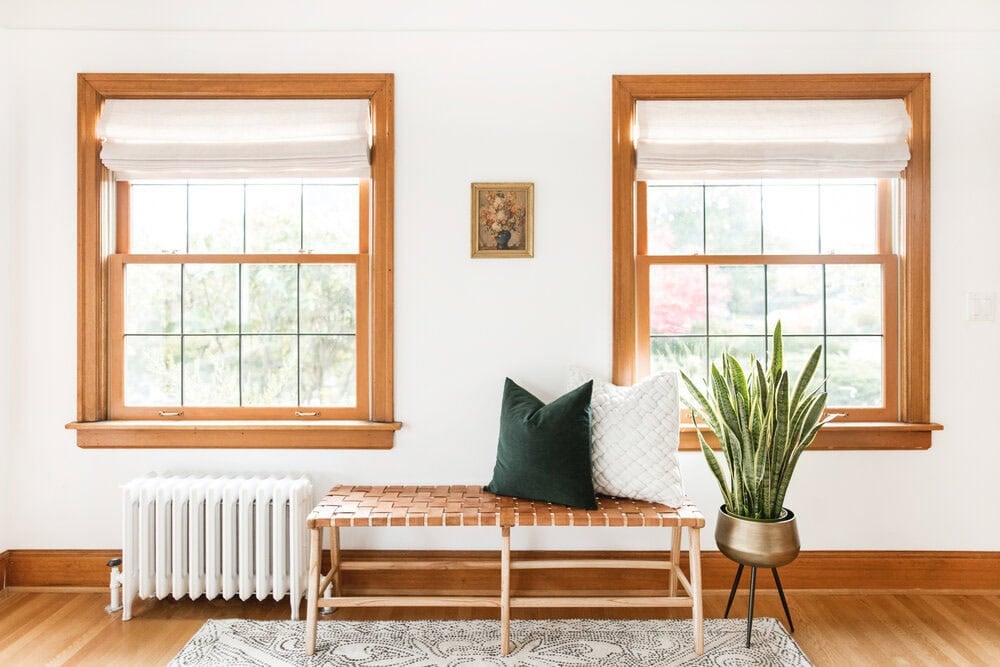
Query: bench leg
675	558
333	588
505	591
312	602
697	612
335	559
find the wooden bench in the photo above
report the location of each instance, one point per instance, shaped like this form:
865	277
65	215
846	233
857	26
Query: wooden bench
373	506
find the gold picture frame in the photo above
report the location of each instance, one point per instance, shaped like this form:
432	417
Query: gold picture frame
503	219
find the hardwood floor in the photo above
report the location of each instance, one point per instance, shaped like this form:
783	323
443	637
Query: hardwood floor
834	628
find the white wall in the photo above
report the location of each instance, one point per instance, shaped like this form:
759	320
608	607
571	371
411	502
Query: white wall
5	290
512	105
503	15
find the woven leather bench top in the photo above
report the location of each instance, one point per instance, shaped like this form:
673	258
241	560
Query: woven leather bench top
346	506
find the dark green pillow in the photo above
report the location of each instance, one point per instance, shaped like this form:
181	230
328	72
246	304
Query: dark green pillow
544	450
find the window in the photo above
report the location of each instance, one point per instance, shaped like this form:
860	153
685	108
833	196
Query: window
239	299
235	312
720	262
708	265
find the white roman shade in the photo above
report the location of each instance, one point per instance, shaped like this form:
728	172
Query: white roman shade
694	139
234	138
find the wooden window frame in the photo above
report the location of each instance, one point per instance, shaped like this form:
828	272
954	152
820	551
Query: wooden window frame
99	236
909	427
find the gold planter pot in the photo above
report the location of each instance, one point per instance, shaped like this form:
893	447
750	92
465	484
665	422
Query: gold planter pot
758	543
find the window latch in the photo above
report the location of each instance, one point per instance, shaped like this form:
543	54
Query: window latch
306	414
164	413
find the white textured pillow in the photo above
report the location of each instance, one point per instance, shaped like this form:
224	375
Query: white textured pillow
635	432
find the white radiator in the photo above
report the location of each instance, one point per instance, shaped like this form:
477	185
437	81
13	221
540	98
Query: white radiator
215	536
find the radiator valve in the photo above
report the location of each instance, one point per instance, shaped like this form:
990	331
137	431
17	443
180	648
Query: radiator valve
115	585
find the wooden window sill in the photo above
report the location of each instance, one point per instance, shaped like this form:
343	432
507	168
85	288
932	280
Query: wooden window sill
179	434
846	436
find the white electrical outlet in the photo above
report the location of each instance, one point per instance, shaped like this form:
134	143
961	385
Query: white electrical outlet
980	306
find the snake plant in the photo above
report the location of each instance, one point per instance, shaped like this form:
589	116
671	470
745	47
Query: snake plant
762	426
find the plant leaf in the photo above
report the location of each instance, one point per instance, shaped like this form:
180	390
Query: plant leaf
701	405
779	441
762	383
777	354
811	424
713	464
723	400
806	376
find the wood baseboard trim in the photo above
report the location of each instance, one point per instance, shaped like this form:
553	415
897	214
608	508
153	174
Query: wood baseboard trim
4	559
835	571
52	568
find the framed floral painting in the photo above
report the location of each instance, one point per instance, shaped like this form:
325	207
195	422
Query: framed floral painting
503	222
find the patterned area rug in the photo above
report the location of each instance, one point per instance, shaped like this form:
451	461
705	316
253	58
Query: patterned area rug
551	643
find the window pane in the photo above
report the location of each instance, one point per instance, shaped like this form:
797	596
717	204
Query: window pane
680	354
848	215
736	300
158	218
740	347
855	368
270	298
330	218
215	218
791	218
677	299
212	370
327	298
328	370
675	220
152	298
270	370
853	298
273	218
211	298
732	219
795	296
152	370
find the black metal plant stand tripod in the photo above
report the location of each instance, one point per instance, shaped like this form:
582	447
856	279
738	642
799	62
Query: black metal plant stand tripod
753	588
